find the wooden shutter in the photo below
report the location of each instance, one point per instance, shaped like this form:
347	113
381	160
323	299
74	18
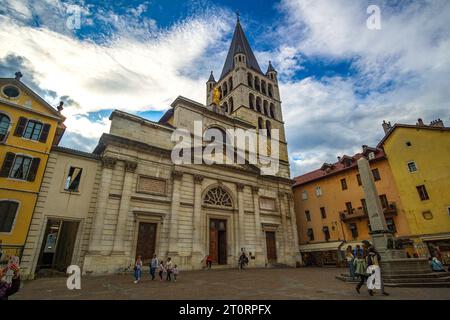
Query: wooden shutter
7	164
20	128
44	133
33	169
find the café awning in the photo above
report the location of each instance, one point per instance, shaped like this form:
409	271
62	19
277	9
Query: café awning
323	246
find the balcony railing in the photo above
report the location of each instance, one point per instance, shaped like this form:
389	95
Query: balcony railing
359	213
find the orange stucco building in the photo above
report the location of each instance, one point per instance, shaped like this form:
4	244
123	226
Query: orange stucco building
330	207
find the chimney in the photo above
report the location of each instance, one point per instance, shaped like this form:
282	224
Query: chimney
437	123
386	126
339	158
420	122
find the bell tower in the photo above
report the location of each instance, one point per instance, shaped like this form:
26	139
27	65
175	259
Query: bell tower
245	92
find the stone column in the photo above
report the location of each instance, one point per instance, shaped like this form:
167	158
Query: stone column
380	233
173	228
281	199
297	255
124	208
95	241
197	224
240	241
259	245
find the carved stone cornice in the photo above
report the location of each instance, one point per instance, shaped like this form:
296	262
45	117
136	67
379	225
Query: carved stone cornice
130	166
109	162
198	178
240	186
177	174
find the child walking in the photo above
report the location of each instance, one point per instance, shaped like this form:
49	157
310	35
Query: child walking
175	273
360	267
162	270
138	269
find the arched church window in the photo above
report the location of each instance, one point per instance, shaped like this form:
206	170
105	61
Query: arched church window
260	123
251	101
218	196
225	89
263	86
266	107
258	104
250	80
231	105
225	107
272	110
230	83
270	90
257	84
268	128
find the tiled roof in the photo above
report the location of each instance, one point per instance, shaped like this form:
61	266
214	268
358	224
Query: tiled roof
345	163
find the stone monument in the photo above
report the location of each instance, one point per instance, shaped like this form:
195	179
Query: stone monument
393	260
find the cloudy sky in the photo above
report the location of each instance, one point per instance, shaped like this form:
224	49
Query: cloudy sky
338	79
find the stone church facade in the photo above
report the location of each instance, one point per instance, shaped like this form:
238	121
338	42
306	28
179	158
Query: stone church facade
144	203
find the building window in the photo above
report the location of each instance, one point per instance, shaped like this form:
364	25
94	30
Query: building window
32	130
384	201
308	215
364	206
310	234
344	184
73	179
391	225
4	126
376	175
349	207
323	213
408	143
11	92
326	233
304	195
412	166
8	211
423	194
318	191
358	178
19	167
354	230
427	215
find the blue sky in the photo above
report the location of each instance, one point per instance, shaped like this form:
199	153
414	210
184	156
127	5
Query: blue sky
338	79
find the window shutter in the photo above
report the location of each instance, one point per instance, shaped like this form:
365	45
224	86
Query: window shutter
33	169
7	164
44	133
20	126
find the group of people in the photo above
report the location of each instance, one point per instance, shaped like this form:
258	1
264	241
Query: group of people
165	269
364	264
10	278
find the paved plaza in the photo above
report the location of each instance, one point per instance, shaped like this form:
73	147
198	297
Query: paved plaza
263	284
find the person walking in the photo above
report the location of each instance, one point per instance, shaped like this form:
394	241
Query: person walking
373	258
243	260
360	267
169	269
153	266
175	273
138	269
162	270
350	259
208	261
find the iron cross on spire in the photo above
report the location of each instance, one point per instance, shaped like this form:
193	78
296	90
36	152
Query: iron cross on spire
238	15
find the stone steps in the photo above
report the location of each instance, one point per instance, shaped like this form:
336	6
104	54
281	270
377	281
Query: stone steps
413	280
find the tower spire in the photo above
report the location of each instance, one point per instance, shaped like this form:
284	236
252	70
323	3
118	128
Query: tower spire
239	44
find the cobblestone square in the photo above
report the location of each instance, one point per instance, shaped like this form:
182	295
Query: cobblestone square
229	284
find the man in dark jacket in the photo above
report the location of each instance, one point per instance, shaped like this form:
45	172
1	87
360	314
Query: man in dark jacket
373	258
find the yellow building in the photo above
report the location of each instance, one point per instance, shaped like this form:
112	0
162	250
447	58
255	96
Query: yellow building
331	211
29	127
419	156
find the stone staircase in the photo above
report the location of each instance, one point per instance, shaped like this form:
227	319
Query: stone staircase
411	280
